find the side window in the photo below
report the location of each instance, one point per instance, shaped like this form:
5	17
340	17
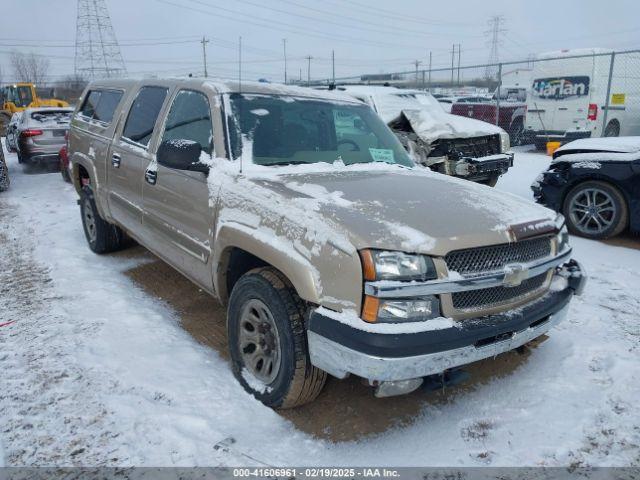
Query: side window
190	119
89	105
106	107
143	114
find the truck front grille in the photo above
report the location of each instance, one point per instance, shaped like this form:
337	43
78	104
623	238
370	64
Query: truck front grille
496	296
473	262
476	261
467	147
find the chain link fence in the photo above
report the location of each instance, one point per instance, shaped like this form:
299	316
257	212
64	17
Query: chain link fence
554	97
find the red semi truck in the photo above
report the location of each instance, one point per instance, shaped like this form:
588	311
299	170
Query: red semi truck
512	115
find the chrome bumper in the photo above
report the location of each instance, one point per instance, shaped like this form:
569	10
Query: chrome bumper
340	361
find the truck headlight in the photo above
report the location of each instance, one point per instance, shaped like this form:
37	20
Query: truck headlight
399	266
377	310
505	143
563	234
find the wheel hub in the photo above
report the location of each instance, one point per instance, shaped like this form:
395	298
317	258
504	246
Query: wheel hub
592	210
259	341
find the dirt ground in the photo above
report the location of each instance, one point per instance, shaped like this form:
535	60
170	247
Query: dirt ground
346	409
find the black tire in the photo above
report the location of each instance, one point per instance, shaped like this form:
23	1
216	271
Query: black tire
20	158
491	181
4	172
101	236
612	129
617	215
516	133
296	381
65	173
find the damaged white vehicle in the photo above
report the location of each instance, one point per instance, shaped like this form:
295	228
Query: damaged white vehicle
449	144
301	211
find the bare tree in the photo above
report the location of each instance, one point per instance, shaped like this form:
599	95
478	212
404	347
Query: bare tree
30	67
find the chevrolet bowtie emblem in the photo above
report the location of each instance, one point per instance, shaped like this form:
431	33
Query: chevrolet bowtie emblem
515	274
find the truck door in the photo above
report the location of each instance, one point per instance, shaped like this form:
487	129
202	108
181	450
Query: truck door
129	157
178	213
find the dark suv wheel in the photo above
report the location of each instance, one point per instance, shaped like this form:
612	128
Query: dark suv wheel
267	340
595	209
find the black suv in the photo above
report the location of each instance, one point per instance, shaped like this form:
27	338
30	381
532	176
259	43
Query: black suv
595	183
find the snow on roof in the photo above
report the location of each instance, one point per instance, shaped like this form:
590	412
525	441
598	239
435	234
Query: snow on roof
229	86
609	144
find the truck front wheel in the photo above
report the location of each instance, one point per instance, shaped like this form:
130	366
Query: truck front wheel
267	340
102	236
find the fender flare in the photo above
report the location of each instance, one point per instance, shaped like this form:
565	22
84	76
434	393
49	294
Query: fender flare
77	160
278	252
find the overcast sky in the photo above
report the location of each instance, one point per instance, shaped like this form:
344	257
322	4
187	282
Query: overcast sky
368	36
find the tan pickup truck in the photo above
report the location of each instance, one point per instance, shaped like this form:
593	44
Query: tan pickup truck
301	211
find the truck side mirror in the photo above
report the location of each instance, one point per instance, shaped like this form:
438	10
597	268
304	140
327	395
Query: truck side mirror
180	154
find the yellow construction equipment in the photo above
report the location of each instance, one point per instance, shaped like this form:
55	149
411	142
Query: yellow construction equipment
19	96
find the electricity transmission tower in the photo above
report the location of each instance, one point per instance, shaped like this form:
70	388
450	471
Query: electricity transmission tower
496	24
97	50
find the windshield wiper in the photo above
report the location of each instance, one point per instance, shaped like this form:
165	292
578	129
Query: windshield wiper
288	162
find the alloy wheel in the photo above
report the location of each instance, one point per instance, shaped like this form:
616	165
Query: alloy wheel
592	211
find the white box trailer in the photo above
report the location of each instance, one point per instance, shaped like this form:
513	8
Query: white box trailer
568	96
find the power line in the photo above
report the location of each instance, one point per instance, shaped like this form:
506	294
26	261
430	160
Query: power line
272	25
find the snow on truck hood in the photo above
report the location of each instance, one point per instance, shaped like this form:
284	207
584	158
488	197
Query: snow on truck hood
431	125
413	210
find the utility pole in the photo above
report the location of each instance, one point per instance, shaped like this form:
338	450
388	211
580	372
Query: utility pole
453	56
333	67
239	62
430	70
459	45
308	57
284	46
417	63
204	42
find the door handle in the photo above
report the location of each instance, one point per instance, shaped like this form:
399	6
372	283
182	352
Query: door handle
151	176
115	160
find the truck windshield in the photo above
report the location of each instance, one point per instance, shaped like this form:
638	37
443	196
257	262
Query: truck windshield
283	130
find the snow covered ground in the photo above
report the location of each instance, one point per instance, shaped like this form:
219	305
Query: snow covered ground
95	371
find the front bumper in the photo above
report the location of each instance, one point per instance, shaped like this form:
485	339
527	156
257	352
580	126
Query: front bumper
541	137
340	349
482	168
549	188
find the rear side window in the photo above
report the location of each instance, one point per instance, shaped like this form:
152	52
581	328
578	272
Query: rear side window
109	100
89	105
100	105
143	114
